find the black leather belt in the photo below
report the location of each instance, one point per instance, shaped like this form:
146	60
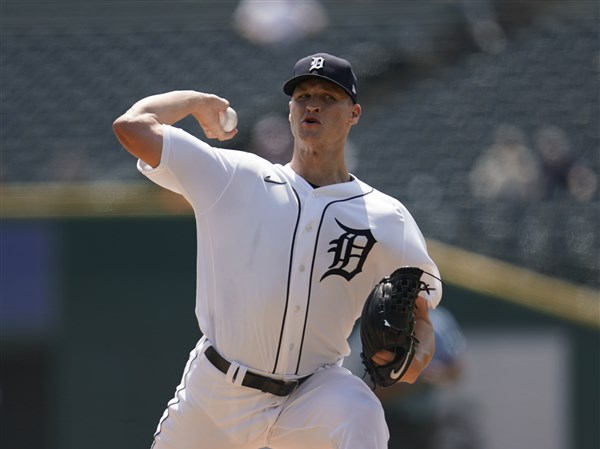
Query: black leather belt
252	380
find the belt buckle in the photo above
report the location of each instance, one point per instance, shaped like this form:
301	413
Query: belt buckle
295	384
286	387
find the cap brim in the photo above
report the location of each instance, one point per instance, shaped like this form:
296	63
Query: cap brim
290	85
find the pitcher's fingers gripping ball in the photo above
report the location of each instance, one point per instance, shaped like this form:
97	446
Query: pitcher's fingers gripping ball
388	322
228	119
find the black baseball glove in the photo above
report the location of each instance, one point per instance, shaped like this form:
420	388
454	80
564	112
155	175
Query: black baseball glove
388	321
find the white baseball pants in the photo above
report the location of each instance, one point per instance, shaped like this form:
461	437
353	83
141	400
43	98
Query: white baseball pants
332	410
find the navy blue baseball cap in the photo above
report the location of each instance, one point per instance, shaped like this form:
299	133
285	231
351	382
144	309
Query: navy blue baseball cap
327	67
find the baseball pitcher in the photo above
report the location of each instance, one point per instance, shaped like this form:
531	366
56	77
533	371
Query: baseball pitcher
288	258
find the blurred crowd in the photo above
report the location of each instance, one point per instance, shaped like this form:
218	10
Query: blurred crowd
511	169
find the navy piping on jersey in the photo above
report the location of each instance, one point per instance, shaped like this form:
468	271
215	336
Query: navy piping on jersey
177	398
287	294
313	267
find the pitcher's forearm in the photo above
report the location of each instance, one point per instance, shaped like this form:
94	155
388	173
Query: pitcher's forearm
426	347
167	108
140	128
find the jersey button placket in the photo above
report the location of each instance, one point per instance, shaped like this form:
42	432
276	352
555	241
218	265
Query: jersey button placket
307	228
300	286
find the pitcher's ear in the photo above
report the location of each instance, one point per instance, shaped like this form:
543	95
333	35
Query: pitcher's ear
356	112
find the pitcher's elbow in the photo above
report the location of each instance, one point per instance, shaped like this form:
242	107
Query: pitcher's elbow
130	131
123	126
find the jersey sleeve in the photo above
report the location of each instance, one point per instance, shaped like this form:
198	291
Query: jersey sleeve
192	168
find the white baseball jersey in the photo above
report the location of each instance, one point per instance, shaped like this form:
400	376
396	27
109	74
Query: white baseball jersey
283	269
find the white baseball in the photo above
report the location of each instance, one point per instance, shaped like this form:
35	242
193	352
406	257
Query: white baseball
228	119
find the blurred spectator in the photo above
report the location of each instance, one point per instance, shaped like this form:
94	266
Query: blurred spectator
487	34
582	182
279	22
553	147
562	172
508	169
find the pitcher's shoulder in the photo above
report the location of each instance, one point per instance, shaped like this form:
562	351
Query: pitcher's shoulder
383	199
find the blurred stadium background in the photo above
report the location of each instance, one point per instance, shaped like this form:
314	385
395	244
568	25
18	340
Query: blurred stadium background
481	116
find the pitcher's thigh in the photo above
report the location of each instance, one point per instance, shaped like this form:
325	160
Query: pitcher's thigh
184	427
210	412
333	409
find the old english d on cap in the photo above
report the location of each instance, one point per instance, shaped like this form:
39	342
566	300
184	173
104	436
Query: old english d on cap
324	66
